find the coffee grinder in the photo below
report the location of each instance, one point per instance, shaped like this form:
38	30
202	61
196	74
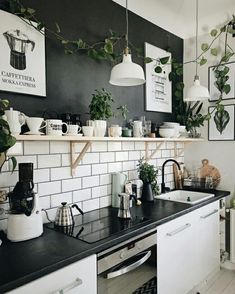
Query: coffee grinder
25	218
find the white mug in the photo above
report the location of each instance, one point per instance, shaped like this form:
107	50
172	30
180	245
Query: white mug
34	124
54	127
88	131
73	129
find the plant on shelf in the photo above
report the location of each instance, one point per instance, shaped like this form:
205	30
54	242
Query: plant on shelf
148	174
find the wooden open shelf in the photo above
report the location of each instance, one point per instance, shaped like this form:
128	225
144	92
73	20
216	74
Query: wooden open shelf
76	159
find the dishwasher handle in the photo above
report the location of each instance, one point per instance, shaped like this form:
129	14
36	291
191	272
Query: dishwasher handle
69	287
123	270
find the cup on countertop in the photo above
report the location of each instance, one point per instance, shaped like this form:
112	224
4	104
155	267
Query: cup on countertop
54	127
35	124
88	131
115	131
73	130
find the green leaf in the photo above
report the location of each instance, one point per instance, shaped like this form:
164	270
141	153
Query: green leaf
221	120
4	102
231	30
213	33
204	46
64	42
226	88
148	59
108	47
203	61
31	10
22	9
179	71
158	69
57	28
164	60
223	29
14	163
214	51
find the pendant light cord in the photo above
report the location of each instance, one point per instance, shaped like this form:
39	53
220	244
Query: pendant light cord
196	36
127	25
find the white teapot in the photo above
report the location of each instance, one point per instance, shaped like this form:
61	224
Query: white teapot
15	120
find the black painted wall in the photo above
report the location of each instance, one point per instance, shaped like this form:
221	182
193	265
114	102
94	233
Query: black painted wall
71	79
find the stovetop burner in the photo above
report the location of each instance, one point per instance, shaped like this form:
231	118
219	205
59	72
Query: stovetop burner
98	224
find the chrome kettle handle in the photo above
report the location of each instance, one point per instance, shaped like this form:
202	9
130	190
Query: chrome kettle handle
32	44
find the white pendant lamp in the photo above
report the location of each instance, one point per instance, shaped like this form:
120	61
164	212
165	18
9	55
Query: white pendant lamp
127	73
197	92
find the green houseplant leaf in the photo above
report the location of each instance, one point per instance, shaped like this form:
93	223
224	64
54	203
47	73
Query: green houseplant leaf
221	119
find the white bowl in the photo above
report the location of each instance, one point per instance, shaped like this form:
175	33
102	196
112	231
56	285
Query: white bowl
167	132
171	124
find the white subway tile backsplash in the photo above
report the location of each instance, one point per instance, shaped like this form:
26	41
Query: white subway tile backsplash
49	188
24	159
105	201
91	158
51	160
83	171
166	153
71	184
58	198
134	155
114	146
41	175
45	202
17	149
98	169
132	175
8	179
59	147
128	146
170	145
99	146
107	157
114	167
35	147
91	204
81	195
139	145
122	156
99	191
79	147
129	165
105	179
59	173
88	182
66	160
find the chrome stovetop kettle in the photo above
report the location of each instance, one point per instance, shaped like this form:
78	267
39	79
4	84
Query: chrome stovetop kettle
64	215
124	209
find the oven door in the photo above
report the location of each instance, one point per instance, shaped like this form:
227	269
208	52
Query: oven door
135	273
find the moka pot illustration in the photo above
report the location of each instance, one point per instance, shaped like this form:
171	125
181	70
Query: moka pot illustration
19	44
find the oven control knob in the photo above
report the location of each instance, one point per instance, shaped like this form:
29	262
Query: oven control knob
122	254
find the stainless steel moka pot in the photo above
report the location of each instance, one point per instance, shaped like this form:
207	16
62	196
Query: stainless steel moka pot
64	215
124	209
18	43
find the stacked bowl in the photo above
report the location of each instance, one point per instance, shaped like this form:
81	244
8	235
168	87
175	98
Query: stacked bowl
169	130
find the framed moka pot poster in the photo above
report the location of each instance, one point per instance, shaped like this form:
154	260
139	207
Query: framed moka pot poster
22	56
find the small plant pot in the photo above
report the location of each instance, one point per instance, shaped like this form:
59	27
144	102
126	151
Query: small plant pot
147	193
100	127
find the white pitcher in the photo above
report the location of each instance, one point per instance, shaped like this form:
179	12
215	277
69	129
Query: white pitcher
15	120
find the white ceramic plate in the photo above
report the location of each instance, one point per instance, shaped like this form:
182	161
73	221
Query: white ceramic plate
30	133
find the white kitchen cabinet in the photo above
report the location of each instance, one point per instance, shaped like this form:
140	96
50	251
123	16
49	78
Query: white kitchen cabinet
175	255
188	250
78	278
208	240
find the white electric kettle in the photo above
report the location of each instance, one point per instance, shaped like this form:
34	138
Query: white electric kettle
15	120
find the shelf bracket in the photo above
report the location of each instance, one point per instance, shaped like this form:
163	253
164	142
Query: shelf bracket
150	156
76	160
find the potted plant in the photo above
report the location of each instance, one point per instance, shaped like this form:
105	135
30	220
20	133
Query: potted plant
148	175
101	110
6	140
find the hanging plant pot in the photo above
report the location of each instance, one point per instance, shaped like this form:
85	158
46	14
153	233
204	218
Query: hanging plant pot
147	193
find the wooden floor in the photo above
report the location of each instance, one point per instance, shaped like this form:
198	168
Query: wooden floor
222	283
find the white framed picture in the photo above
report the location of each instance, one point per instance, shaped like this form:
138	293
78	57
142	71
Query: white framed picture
22	58
214	92
228	133
158	87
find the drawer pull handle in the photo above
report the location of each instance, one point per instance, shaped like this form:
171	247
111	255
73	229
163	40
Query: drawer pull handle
71	286
178	230
209	214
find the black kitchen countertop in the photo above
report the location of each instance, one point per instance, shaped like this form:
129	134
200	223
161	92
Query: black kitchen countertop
23	262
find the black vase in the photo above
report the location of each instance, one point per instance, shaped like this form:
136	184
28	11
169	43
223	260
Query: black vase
147	193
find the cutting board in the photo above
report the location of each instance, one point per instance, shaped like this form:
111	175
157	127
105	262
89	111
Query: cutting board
210	170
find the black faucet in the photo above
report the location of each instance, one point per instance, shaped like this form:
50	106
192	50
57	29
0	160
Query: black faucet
163	187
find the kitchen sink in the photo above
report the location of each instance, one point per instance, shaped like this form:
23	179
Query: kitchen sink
184	196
